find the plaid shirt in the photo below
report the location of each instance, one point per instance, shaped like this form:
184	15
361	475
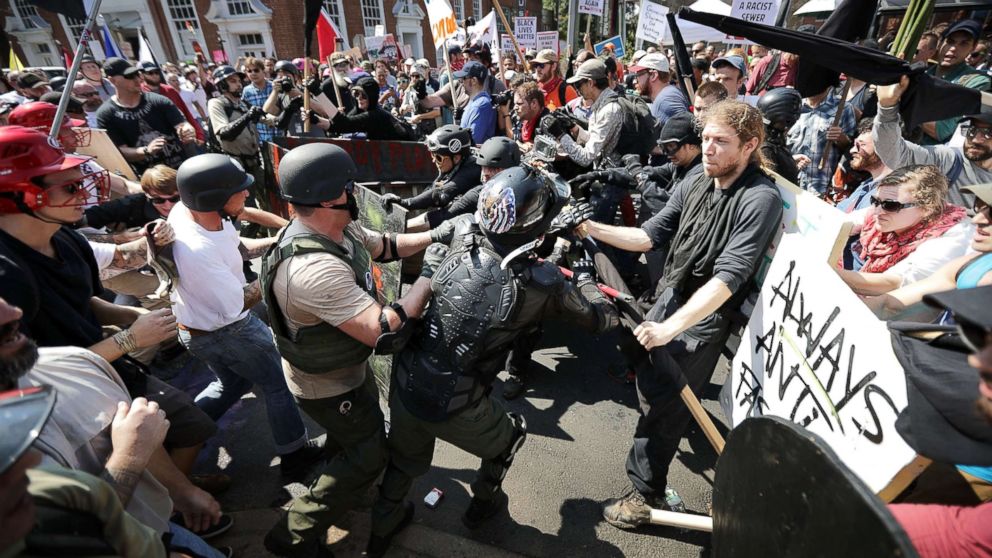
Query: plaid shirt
809	137
257	97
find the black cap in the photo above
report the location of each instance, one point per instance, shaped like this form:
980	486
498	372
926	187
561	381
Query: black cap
680	128
23	413
27	80
148	67
472	69
118	67
454	49
969	26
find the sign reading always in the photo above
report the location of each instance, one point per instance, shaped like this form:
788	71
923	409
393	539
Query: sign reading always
756	11
651	23
616	43
824	362
442	19
593	7
525	28
547	39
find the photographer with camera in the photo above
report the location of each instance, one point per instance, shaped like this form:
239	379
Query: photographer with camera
286	100
529	106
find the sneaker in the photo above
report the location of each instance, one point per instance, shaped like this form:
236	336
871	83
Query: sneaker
299	462
629	512
514	386
480	510
222	526
378	545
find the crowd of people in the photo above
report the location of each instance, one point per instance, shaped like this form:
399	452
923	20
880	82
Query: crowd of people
111	287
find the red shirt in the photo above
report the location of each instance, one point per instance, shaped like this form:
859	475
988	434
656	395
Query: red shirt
947	531
784	75
550	89
169	92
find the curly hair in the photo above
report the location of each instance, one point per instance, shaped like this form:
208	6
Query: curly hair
928	186
744	119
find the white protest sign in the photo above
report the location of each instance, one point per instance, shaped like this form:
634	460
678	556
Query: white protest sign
547	39
651	23
382	47
442	19
380	30
756	11
594	7
525	28
505	43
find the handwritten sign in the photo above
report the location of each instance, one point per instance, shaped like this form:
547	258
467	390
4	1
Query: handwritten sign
547	39
505	43
442	19
382	47
593	7
525	28
756	11
651	23
616	43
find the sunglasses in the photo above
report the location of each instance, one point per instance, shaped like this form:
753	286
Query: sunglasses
438	157
891	206
358	94
537	65
972	132
253	70
982	207
160	201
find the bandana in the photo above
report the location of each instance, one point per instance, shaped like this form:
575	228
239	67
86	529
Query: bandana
884	250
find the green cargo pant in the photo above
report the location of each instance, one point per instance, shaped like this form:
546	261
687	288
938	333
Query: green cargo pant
354	425
484	430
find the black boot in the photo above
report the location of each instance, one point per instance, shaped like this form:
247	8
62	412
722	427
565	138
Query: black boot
481	509
379	545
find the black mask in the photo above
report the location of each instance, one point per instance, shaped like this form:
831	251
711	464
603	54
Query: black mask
351	205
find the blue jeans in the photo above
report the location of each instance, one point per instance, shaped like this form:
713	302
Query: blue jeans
243	354
184	538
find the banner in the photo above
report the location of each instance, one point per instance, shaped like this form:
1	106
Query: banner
617	45
525	28
593	7
484	32
547	40
652	26
382	47
442	19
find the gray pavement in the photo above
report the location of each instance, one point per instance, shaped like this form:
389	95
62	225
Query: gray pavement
580	420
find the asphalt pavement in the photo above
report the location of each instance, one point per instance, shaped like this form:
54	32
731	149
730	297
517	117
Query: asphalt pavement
580	412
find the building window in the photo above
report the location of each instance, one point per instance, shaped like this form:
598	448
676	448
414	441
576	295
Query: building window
26	11
250	44
459	6
477	9
75	27
372	15
45	54
333	9
183	15
239	7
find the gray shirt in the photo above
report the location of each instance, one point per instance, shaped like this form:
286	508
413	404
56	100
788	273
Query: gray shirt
896	152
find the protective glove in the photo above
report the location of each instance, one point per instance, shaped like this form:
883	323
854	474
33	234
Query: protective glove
443	232
311	116
583	270
255	113
632	164
420	88
459	112
575	214
387	201
313	86
555	126
433	257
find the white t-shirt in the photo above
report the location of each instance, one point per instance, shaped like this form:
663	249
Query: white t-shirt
104	253
930	255
210	290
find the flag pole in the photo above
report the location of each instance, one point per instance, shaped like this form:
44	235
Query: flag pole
84	38
513	37
306	93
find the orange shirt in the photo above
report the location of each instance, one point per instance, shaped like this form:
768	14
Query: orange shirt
552	100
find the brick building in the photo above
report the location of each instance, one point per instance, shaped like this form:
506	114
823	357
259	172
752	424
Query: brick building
230	28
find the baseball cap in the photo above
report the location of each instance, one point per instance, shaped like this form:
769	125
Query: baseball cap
593	69
338	58
969	26
148	67
409	62
530	53
680	128
983	191
471	69
546	56
23	413
732	60
638	54
454	49
118	67
654	61
27	80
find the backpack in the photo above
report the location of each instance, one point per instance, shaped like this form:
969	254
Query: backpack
562	93
640	130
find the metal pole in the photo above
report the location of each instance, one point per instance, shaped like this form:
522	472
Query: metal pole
77	59
573	16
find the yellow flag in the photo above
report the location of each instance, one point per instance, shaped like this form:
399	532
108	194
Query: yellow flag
15	62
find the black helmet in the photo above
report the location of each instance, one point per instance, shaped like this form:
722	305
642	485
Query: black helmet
286	66
314	173
221	74
449	139
780	107
206	182
500	152
517	206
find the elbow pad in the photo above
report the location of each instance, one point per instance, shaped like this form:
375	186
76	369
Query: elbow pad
391	342
388	244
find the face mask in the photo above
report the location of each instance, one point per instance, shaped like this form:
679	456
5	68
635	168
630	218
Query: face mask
351	205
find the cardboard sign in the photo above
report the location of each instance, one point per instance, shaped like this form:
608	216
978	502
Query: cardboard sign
547	39
379	31
756	11
382	47
525	28
442	19
652	24
617	45
505	43
593	7
106	153
219	56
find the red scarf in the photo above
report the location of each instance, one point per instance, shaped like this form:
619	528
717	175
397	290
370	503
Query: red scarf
880	251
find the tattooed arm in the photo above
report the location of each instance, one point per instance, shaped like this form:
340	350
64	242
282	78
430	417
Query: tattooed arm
253	294
252	248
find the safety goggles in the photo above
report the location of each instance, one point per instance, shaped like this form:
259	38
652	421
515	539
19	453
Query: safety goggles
891	206
972	132
671	147
358	94
161	201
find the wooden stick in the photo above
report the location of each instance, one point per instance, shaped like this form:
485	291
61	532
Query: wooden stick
513	37
451	77
306	94
837	118
682	520
903	478
703	419
337	91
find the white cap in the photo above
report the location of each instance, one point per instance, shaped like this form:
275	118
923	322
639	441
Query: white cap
654	61
409	62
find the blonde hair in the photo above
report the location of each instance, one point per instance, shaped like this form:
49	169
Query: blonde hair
159	179
928	186
744	119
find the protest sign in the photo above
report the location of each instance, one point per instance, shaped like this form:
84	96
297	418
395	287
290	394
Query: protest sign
547	39
505	43
651	24
525	29
592	7
617	47
442	19
761	11
102	148
382	47
380	30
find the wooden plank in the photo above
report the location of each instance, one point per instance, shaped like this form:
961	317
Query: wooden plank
107	154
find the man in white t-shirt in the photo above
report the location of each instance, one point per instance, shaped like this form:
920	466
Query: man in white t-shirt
212	300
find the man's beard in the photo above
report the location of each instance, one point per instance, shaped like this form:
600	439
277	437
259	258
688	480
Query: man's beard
18	364
866	162
722	171
984	152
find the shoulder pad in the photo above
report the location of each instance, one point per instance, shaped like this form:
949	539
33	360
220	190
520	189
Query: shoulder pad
546	274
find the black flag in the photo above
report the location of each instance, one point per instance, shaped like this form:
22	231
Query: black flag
849	22
311	11
682	63
68	8
927	99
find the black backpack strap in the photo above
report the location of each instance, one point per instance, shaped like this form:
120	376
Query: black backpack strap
768	73
562	90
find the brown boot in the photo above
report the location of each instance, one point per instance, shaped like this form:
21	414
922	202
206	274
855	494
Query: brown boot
629	512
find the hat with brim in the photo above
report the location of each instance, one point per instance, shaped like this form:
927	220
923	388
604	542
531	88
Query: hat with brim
969	26
982	191
654	61
546	56
119	67
23	413
593	69
28	80
733	61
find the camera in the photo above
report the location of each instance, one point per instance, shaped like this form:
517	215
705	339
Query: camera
545	148
503	99
286	84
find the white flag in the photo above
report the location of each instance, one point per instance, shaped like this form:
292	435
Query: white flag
442	18
145	50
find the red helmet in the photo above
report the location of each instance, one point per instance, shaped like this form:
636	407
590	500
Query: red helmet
40	115
27	154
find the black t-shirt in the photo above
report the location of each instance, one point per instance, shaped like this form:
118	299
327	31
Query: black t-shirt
155	116
53	292
128	212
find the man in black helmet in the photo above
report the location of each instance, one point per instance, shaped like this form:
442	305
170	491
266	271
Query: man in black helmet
780	109
327	315
212	299
443	376
450	147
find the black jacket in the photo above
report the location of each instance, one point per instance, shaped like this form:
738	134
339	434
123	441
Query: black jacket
376	123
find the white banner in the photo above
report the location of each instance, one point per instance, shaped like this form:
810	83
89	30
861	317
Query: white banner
525	28
594	7
651	23
547	39
505	43
483	32
442	18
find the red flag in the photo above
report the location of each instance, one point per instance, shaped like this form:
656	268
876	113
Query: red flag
66	58
327	35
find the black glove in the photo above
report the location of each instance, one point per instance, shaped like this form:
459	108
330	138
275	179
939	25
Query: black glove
575	214
387	201
458	114
618	177
442	233
421	88
555	126
313	86
587	184
583	270
632	164
433	257
255	113
311	116
286	85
